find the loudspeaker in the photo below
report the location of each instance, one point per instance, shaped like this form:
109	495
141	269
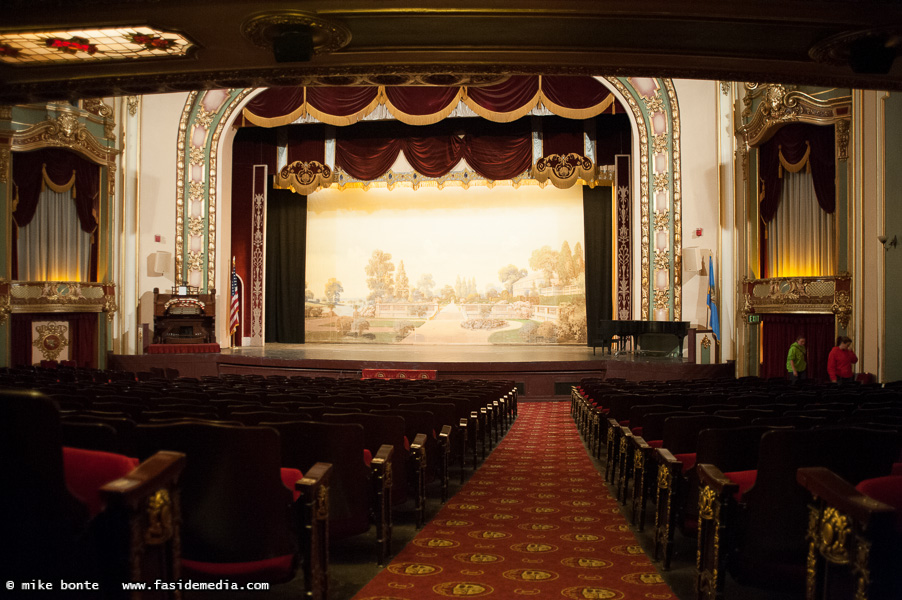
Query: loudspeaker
161	261
871	55
692	260
293	43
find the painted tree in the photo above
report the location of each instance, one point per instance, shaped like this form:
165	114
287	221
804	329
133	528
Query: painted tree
579	261
510	275
402	284
308	293
564	267
333	291
425	285
379	276
544	259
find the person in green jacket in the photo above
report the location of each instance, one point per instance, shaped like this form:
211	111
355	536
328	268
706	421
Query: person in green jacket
797	360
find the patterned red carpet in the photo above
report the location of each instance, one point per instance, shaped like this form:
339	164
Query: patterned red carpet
536	520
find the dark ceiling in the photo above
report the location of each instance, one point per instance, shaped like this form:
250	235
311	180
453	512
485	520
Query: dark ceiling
393	42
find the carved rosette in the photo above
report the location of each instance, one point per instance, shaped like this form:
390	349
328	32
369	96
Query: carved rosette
563	170
835	536
51	340
305	177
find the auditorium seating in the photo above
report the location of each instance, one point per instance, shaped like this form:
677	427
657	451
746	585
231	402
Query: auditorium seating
236	472
82	515
758	536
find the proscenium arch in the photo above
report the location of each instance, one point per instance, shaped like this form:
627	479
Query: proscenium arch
652	104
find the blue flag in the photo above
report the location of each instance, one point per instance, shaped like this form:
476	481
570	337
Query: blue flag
713	317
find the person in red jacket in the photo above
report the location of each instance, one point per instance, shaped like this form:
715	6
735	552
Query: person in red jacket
840	360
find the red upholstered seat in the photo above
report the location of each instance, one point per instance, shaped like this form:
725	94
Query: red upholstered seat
367	457
88	470
289	478
655	443
887	490
744	479
897	469
688	460
637	430
279	568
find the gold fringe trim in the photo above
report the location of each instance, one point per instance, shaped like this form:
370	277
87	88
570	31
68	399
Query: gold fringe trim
576	113
502	117
342	121
432	119
59	189
277	121
795	168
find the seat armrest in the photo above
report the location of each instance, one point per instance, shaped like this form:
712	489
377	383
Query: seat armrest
314	528
716	514
839	493
159	471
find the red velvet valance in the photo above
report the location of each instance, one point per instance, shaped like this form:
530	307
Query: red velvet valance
494	151
60	168
570	97
794	147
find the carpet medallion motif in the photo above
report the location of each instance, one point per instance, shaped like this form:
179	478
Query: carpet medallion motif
536	520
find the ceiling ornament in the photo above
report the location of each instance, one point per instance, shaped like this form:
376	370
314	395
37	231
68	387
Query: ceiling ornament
328	36
865	50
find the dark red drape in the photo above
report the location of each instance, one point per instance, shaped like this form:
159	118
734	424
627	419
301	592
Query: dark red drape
307	143
576	92
59	164
341	101
420	100
780	331
495	151
277	101
793	141
506	96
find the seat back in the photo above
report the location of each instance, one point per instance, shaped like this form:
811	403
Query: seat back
235	507
773	545
304	443
681	431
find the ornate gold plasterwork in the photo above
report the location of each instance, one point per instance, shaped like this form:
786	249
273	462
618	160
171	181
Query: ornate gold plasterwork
133	103
662	259
195	261
706	342
665	479
707	501
6	112
564	170
160	522
781	105
51	340
655	103
819	295
662	181
659	143
662	299
843	136
834	536
5	156
64	131
328	35
196	226
662	220
725	88
57	296
677	271
304	177
197	156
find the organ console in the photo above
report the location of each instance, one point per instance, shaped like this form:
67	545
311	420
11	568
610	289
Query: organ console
634	330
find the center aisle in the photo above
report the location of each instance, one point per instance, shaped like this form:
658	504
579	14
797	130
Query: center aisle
535	520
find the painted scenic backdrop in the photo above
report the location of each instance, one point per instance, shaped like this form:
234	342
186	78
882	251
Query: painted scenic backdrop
446	266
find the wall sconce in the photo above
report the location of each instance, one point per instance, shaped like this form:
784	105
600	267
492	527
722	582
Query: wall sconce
887	244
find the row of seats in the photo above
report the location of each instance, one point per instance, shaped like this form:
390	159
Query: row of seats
727	469
359	473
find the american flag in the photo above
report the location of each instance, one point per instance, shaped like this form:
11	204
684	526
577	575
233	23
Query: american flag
236	302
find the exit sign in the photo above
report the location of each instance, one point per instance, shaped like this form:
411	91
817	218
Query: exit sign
754	318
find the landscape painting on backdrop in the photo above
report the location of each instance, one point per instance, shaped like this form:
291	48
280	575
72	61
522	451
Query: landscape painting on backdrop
480	265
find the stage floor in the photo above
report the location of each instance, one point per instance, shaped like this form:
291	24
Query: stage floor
441	354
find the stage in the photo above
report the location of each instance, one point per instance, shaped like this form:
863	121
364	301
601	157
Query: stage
541	372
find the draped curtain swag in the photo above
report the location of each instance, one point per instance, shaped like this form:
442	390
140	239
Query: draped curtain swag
793	148
60	170
505	102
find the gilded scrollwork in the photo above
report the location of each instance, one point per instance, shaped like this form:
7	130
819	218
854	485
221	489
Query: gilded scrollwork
196	226
662	259
662	181
563	170
662	299
133	103
51	339
706	342
5	162
197	156
659	143
160	522
782	104
665	479
654	104
197	191
835	536
195	261
662	220
304	177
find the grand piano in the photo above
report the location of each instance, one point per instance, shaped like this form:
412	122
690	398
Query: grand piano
635	330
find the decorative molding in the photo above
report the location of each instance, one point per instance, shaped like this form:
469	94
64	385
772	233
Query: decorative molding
304	177
258	256
56	296
781	105
51	339
65	131
564	170
133	104
6	112
725	87
328	36
5	164
815	295
623	231
677	199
